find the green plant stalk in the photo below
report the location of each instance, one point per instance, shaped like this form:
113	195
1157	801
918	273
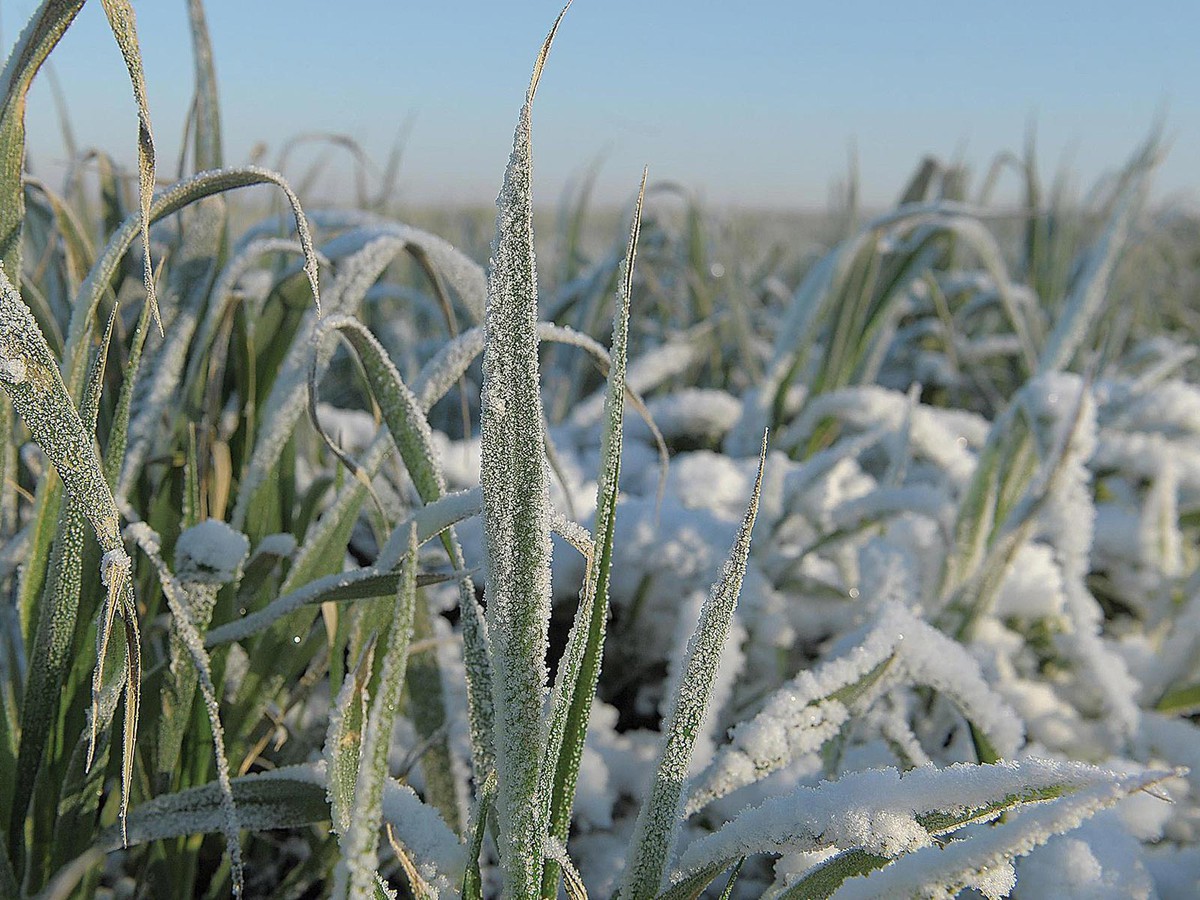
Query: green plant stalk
659	820
516	514
356	875
579	671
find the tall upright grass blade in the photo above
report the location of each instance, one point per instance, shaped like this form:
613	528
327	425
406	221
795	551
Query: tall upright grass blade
579	670
57	613
207	152
660	817
355	874
124	28
193	269
42	33
516	514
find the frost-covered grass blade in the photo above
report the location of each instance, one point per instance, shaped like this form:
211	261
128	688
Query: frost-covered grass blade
659	820
516	513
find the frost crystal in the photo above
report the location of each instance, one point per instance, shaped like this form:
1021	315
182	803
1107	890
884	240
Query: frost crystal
114	567
12	369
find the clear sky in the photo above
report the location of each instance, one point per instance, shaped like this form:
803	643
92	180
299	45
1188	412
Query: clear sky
754	104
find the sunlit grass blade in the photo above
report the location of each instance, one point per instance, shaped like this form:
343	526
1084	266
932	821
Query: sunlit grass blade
207	152
579	669
124	28
660	817
516	514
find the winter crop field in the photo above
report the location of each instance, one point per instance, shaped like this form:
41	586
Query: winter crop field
353	553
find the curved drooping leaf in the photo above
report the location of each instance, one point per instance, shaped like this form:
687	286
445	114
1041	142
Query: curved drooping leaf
878	816
370	581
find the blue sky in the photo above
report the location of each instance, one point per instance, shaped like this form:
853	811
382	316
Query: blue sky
754	104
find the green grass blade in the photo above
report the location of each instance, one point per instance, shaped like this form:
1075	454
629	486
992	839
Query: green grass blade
343	739
188	617
124	28
406	422
207	556
371	581
118	432
472	886
166	202
193	269
57	613
45	28
579	670
516	515
206	130
660	817
287	797
356	870
691	887
361	257
31	378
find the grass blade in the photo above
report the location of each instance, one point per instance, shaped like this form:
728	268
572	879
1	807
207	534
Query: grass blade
30	377
356	870
183	610
124	28
579	671
43	32
660	816
410	430
206	146
516	514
